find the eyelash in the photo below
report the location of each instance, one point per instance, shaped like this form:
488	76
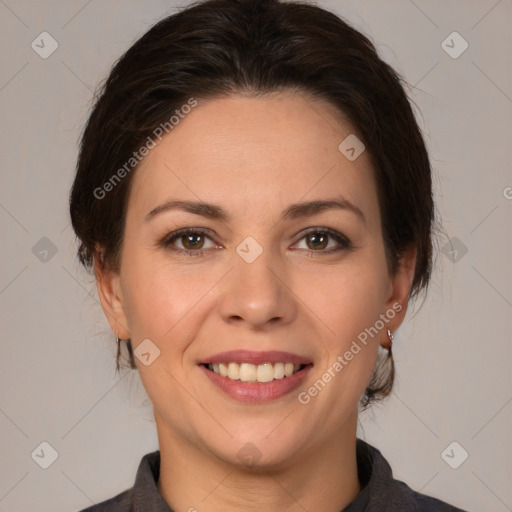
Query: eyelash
166	243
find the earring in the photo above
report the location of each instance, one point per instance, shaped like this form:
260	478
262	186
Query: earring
390	336
133	364
118	341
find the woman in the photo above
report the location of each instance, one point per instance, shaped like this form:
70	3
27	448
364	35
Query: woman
254	196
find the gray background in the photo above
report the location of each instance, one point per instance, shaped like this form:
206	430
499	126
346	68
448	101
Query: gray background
453	358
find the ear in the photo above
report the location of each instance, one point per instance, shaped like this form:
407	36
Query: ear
109	292
399	289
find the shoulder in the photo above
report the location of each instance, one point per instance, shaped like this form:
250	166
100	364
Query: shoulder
425	503
119	503
383	493
143	495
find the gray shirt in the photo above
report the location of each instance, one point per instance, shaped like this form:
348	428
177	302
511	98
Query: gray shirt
380	491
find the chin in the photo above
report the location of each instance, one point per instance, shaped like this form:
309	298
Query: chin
255	449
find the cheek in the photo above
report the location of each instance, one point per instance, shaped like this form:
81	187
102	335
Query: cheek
349	297
348	305
164	301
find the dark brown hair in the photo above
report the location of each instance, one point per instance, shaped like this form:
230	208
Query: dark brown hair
219	48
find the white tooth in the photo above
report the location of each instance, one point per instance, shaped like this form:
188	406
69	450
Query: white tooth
233	371
278	370
223	369
247	372
265	372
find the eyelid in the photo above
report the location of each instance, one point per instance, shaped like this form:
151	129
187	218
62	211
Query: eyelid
167	240
344	243
342	239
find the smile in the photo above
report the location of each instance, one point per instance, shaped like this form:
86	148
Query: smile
247	372
256	377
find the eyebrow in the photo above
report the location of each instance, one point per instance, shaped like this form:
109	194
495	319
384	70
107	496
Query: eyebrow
294	211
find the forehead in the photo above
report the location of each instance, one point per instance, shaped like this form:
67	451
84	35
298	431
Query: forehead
261	152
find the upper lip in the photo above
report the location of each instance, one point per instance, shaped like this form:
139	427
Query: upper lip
256	358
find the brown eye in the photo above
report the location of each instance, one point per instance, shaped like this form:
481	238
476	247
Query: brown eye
192	241
317	241
188	241
324	240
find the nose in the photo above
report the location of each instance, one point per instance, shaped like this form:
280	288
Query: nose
258	294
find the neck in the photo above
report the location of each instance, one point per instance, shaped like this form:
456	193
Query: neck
322	478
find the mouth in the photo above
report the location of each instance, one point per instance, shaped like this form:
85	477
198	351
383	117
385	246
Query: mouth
250	373
256	377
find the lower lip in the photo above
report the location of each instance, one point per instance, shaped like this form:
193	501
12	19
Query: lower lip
257	392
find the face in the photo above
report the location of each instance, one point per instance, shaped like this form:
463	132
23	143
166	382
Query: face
274	255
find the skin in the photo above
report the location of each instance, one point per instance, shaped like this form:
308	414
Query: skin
254	157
